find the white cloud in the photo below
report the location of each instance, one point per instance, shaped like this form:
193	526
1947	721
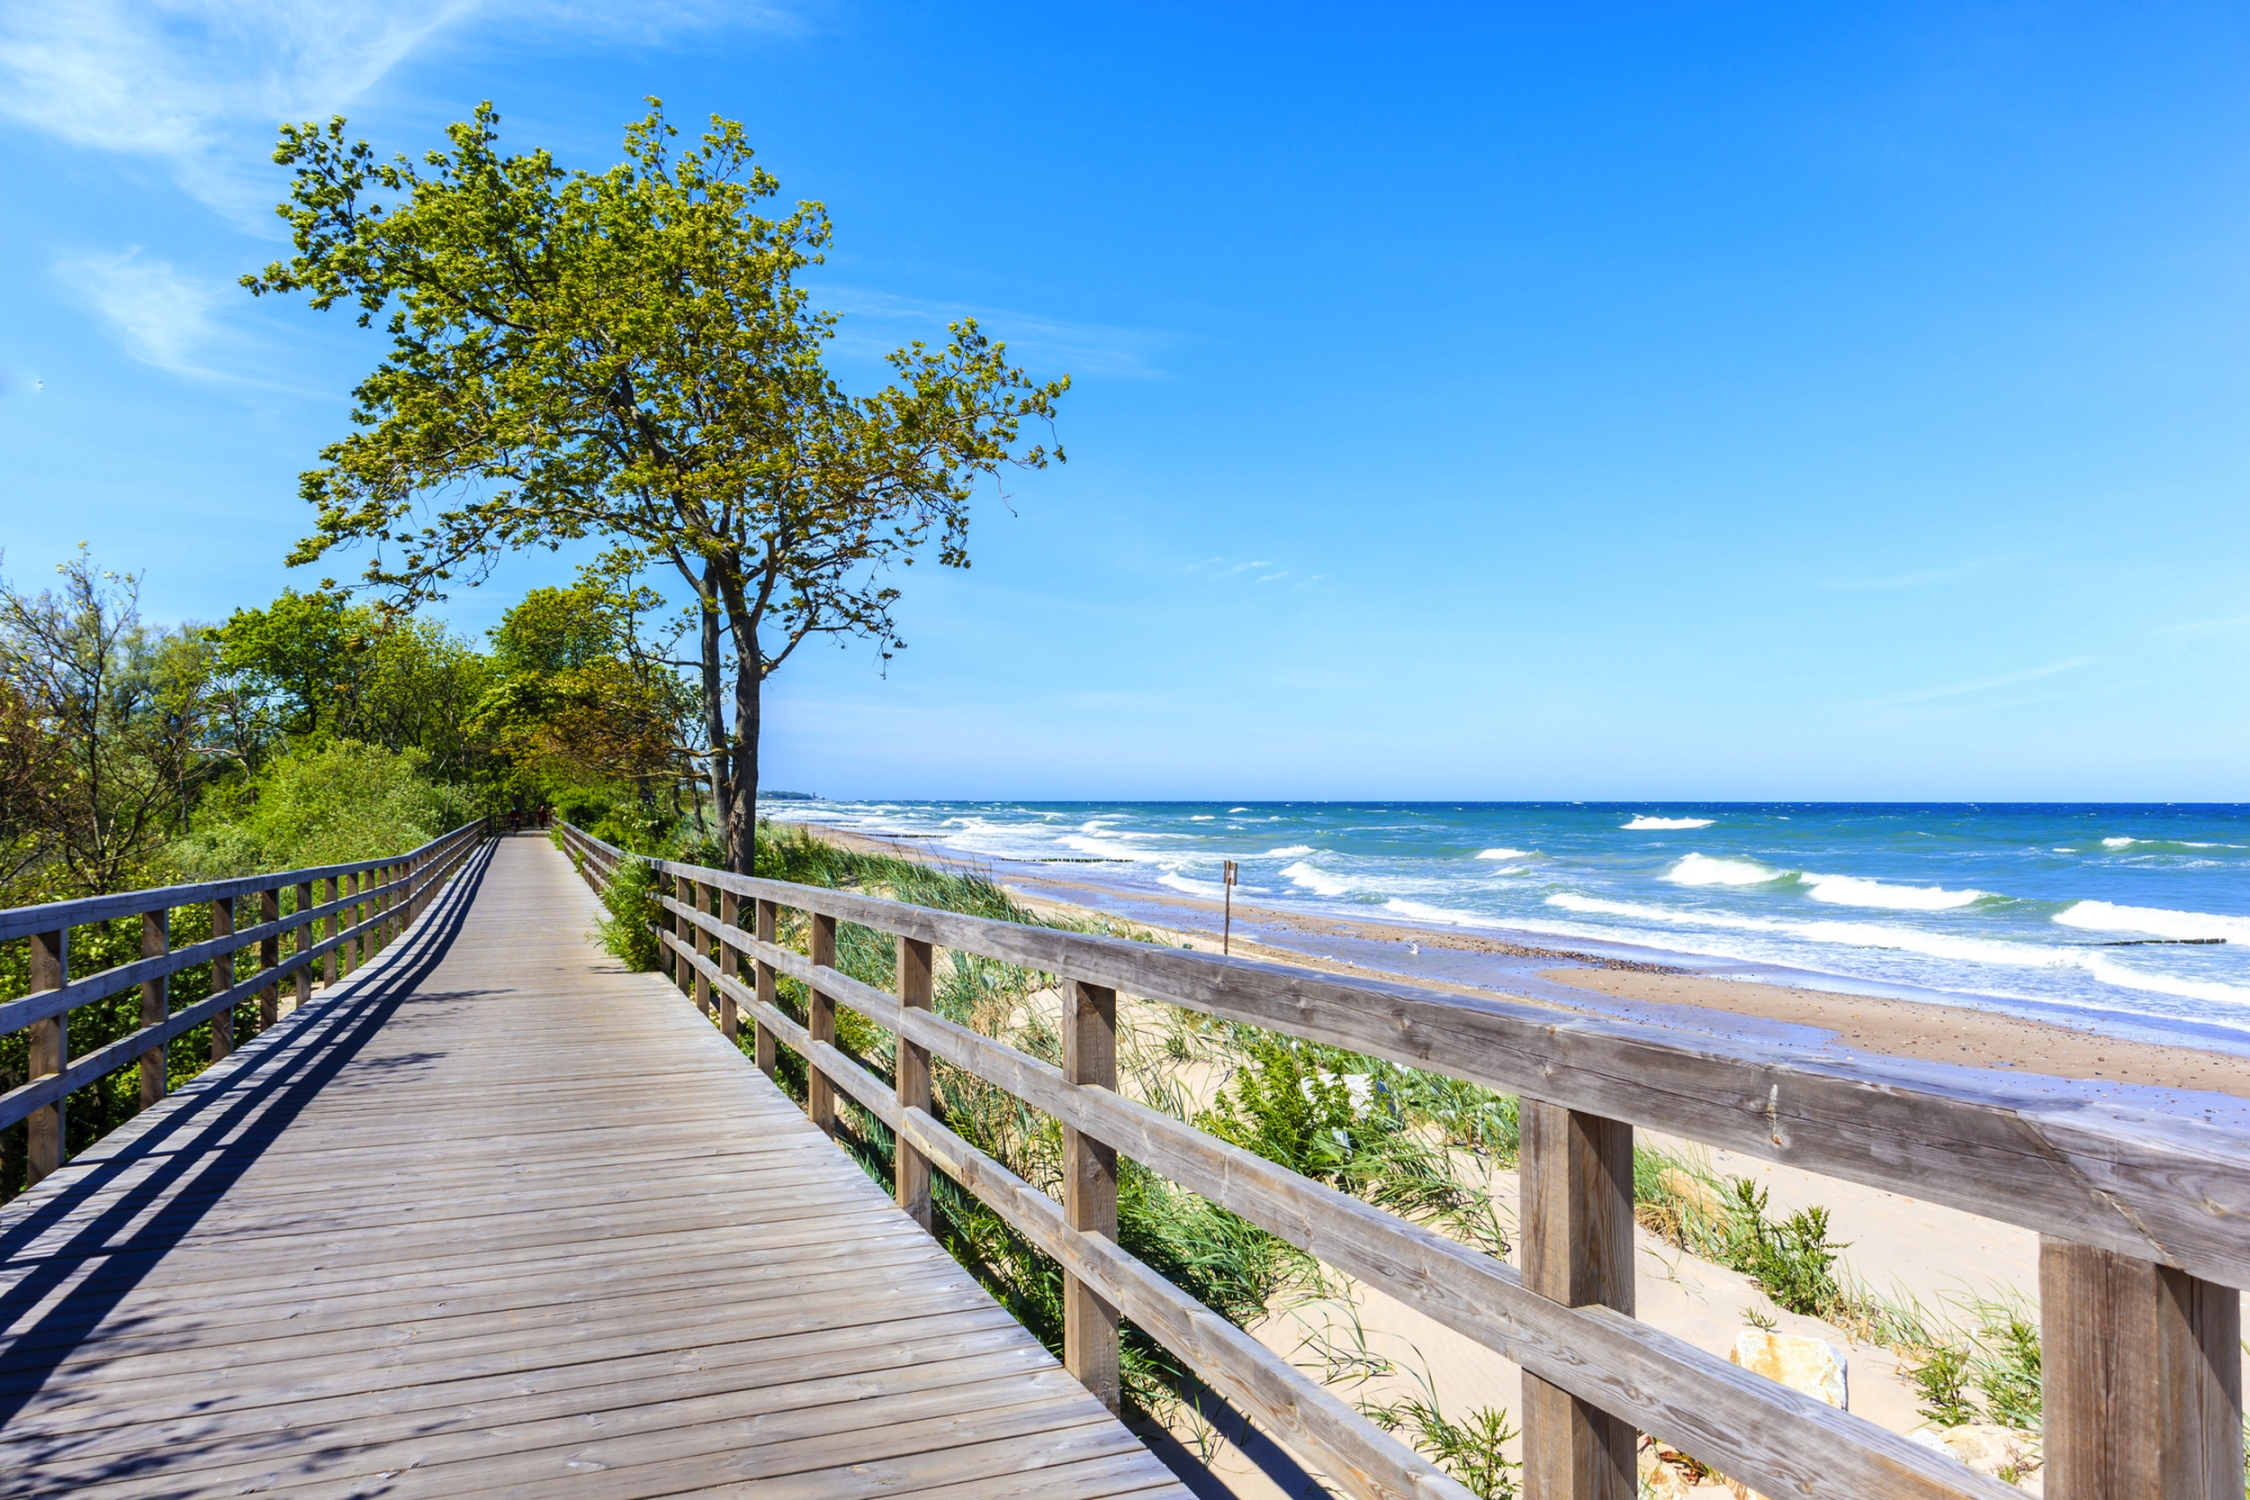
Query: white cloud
162	317
201	84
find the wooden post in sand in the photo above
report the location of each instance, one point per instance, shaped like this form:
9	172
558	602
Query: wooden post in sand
1577	1211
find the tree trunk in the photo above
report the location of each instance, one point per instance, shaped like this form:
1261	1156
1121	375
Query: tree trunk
714	699
742	820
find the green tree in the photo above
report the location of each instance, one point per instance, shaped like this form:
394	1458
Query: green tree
625	354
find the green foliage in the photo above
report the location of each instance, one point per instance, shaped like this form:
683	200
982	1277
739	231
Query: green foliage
1471	1449
1283	1106
1942	1376
327	804
1793	1261
626	353
2006	1365
632	901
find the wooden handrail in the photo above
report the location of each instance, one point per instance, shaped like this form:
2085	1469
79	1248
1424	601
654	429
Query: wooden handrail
380	910
2180	1193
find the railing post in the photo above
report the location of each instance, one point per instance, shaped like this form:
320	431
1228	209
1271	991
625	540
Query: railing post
730	964
820	1024
335	919
762	1045
1577	1201
304	940
222	977
156	1004
683	972
50	1051
1090	1188
2140	1379
910	1168
700	897
269	957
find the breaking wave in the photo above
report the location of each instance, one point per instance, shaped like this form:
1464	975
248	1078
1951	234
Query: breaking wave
1643	823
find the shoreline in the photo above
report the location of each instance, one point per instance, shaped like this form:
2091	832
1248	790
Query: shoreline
2176	1076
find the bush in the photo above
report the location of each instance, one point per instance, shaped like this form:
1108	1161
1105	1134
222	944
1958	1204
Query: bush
633	901
332	804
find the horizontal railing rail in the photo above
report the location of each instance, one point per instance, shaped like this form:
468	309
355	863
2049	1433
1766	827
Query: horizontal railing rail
2110	1190
363	907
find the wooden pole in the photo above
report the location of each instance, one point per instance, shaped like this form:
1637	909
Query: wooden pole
2141	1379
730	964
1226	933
269	957
1090	1189
762	1042
910	1168
222	978
820	1024
156	1004
1577	1210
50	1052
700	895
304	940
328	959
683	972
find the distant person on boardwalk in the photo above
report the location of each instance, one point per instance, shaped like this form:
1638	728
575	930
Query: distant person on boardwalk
515	820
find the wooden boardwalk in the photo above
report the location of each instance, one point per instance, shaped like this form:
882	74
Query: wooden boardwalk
495	1217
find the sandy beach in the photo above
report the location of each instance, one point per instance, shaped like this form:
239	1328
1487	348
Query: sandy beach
1910	1251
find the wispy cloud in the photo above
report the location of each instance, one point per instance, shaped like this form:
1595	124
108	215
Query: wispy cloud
198	84
1045	344
160	316
1981	684
2201	627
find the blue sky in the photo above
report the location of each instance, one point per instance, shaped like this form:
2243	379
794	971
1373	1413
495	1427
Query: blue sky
1493	402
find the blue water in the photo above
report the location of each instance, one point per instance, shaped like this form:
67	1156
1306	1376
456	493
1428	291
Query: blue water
2049	904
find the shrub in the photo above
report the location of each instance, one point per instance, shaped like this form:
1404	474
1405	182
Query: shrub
330	804
632	902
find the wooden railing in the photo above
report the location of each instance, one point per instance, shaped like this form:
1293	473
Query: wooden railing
2144	1218
363	906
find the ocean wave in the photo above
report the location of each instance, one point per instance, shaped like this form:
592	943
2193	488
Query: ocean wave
1841	934
1643	823
2103	916
1203	818
1423	912
1237	809
1290	851
1702	869
1100	848
1852	890
1179	882
1504	854
2110	971
2118	843
1319	882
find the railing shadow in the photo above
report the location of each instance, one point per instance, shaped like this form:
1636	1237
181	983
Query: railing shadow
207	1136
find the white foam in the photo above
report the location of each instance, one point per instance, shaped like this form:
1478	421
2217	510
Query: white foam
2117	843
2102	916
1179	882
1504	854
2110	971
1644	823
1843	934
1290	851
1851	890
1099	848
1702	869
2066	851
1423	912
1237	809
1319	882
1203	817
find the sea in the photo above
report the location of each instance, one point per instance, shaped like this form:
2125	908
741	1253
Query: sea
2133	918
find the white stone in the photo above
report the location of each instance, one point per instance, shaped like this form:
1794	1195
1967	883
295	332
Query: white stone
1811	1365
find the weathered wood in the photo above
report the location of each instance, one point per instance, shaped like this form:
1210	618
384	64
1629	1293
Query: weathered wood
820	1016
1577	1223
762	1039
1781	1441
303	940
269	957
329	959
156	1002
222	978
49	1052
720	1299
730	964
1089	1036
2133	1181
911	1073
2140	1373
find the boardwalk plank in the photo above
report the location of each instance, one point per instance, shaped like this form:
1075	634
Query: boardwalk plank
494	1216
